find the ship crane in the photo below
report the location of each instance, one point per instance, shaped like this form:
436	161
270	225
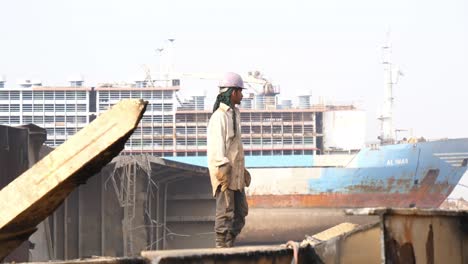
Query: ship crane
253	78
256	77
149	81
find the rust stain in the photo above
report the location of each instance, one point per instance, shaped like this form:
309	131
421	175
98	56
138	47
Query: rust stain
408	227
425	192
396	253
328	200
430	246
379	186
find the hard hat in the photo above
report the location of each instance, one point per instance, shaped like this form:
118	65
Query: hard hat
230	79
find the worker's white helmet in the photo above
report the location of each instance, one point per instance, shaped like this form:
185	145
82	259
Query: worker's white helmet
230	80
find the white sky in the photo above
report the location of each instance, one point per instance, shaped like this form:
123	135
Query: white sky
326	48
329	49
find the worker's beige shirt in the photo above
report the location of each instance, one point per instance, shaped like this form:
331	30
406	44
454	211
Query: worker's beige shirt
224	147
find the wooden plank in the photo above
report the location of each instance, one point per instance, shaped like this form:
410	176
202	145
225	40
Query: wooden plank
36	193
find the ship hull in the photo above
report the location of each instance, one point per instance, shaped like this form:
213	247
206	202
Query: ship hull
405	175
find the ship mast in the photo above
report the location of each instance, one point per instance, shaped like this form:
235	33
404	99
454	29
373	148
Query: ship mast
387	131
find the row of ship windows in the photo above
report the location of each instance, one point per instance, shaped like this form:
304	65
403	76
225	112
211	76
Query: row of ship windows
149	107
278	141
54	143
133	142
106	95
278	152
43	119
166	142
277	129
252	117
148	142
157	119
169	130
82	95
276	117
15	108
192	130
153	131
61	131
167	153
43	95
189	130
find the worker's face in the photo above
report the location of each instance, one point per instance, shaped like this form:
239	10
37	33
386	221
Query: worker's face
236	96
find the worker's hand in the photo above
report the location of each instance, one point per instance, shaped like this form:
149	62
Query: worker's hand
224	175
247	177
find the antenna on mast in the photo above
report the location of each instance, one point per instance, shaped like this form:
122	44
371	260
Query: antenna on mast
387	132
160	74
170	67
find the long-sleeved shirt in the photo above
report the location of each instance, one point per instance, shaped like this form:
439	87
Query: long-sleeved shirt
225	147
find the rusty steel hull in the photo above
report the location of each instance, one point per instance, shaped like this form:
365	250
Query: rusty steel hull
344	200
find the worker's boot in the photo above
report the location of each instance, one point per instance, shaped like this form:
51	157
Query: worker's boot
220	240
230	239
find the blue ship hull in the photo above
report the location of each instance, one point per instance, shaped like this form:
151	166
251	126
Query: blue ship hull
403	175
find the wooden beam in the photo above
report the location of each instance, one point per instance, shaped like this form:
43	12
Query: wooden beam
36	193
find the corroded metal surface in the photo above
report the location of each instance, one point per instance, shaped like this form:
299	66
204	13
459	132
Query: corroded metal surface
39	191
256	254
422	235
335	200
429	239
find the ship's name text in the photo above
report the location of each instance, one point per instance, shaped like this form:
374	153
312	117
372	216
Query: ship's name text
395	162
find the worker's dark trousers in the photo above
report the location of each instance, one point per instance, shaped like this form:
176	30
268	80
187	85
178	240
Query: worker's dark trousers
231	210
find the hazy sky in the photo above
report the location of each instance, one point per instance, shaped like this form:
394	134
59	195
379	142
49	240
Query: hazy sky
330	49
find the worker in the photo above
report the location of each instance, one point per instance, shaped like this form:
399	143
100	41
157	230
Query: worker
226	161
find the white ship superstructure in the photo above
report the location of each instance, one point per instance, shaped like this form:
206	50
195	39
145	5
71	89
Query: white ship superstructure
172	128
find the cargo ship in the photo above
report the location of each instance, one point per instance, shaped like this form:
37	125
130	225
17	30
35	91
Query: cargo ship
421	174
